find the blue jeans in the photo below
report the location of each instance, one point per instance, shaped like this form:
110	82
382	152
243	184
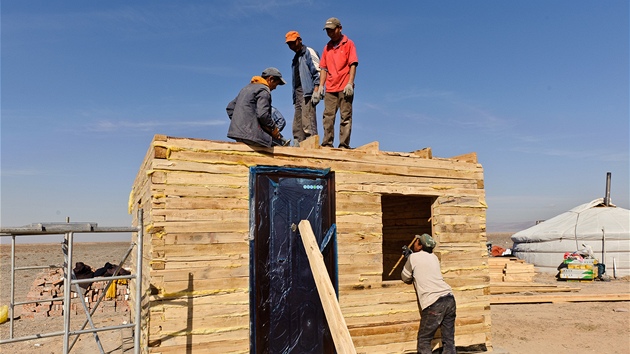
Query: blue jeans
440	314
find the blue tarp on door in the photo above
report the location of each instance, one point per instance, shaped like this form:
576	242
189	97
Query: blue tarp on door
286	314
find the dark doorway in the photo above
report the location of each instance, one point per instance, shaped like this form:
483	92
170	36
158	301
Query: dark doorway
403	217
286	315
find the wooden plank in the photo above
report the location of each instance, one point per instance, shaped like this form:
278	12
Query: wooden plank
373	147
209	202
496	288
235	341
336	322
203	214
537	299
425	153
312	142
198	166
207	226
196	190
393	158
469	157
193	238
350	161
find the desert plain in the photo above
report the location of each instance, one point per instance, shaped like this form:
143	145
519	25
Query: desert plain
560	327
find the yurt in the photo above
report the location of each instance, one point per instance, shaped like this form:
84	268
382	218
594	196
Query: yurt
600	225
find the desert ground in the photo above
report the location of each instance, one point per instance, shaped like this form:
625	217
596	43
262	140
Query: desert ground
583	327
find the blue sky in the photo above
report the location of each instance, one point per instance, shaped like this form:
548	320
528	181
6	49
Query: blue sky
539	89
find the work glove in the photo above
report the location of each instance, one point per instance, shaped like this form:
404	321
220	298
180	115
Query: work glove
318	95
349	90
406	251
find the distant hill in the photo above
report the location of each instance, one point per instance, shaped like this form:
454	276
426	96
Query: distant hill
493	227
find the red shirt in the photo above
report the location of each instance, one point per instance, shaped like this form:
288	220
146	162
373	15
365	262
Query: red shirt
337	60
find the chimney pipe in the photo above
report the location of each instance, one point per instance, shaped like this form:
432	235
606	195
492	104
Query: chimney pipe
607	196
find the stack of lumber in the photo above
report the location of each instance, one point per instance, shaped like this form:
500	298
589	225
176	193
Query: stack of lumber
513	275
510	269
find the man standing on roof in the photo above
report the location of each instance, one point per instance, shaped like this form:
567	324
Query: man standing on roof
305	82
250	112
338	69
438	308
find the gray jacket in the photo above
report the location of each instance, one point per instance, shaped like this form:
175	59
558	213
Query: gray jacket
250	110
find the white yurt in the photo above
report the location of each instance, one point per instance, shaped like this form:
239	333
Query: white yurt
598	224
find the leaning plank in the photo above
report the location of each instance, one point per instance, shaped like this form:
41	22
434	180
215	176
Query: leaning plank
536	299
336	322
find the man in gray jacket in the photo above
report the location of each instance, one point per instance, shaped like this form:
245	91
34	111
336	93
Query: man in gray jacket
250	112
305	81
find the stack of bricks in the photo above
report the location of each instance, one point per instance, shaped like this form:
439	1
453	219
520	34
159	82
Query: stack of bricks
50	284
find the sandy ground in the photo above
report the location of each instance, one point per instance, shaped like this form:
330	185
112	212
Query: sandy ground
93	254
584	327
588	327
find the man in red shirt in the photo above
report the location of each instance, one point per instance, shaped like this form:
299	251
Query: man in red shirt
338	69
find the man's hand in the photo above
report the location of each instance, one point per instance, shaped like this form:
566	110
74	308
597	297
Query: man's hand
279	139
275	133
317	95
349	90
406	251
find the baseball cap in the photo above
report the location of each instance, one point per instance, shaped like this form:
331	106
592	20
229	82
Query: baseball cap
332	23
426	240
292	36
273	72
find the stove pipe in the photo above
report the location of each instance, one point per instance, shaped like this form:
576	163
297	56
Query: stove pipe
607	196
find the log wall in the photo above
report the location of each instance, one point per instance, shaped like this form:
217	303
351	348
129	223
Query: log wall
195	198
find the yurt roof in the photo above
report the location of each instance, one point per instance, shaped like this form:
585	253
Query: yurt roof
589	221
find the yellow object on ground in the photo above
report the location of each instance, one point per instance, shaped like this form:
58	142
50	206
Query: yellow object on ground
111	291
4	313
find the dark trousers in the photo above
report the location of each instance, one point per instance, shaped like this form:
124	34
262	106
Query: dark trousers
440	314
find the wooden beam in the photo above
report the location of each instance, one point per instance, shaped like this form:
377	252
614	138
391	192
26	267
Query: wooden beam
470	157
424	153
537	299
336	322
312	142
373	146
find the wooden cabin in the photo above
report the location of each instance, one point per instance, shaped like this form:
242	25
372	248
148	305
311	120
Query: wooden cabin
224	271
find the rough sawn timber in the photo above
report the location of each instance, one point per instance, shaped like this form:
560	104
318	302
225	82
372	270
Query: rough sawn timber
195	197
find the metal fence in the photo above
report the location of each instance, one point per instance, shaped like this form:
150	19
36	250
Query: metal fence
68	230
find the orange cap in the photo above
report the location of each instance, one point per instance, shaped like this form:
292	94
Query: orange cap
292	36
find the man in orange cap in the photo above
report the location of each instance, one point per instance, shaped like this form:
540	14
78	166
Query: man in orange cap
305	82
338	69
